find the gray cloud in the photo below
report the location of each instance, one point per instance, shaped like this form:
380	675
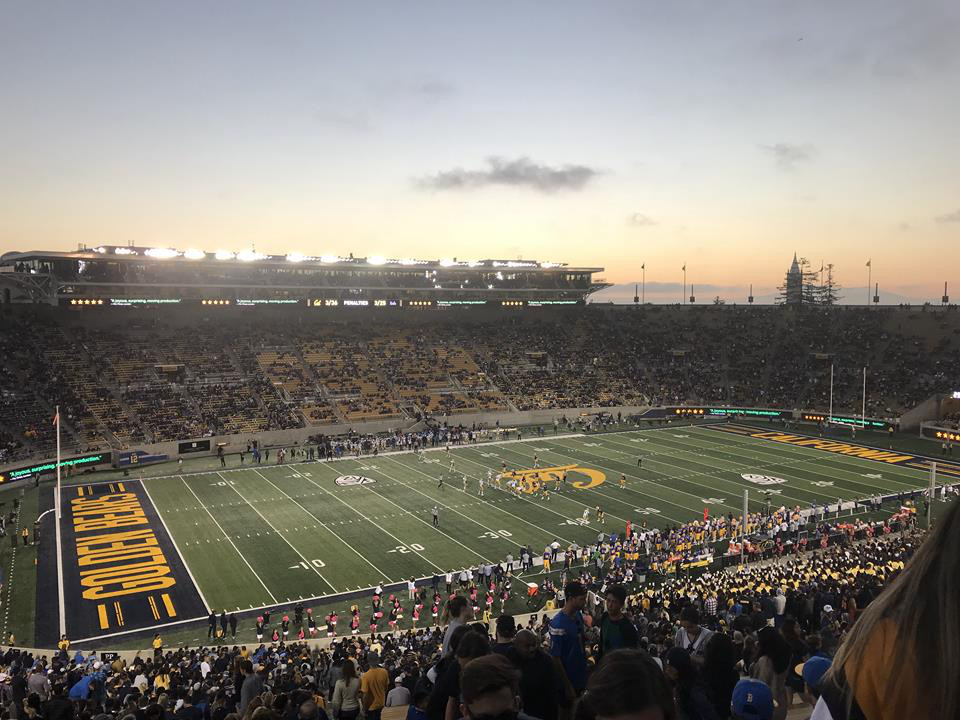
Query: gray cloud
640	220
521	172
953	217
788	156
434	89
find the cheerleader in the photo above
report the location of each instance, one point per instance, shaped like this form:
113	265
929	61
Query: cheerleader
392	619
311	623
416	616
259	628
285	624
276	635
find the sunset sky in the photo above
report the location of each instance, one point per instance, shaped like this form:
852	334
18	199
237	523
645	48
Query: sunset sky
727	135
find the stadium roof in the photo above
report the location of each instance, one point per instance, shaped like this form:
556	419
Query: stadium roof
167	255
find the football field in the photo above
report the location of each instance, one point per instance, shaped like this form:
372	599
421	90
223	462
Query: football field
268	535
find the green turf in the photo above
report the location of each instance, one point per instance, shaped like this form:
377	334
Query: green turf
19	598
269	535
246	532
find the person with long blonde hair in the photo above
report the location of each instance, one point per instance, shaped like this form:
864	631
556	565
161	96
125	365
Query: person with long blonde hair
902	657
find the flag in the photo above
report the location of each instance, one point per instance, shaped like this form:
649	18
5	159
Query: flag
56	418
706	514
869	261
643	267
684	268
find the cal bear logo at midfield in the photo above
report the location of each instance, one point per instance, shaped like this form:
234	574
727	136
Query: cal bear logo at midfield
532	479
347	480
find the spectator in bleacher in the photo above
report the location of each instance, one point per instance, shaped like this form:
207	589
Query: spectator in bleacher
752	700
627	684
720	659
566	640
689	689
771	667
691	636
617	631
902	658
541	686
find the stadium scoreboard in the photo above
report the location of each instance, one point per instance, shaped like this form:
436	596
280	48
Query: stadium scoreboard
326	302
80	461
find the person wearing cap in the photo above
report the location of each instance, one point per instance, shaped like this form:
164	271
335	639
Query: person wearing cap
812	672
566	640
373	687
399	695
752	700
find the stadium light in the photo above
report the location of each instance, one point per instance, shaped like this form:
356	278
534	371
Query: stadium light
100	250
329	259
296	257
376	260
446	262
224	255
161	253
194	254
250	256
475	263
124	251
499	275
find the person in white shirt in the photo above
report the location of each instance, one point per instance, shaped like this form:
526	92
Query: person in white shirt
691	636
411	588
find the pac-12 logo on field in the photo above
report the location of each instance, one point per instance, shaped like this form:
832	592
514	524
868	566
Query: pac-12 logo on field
762	479
345	480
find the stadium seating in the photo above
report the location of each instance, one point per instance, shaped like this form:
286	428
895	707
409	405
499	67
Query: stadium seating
158	381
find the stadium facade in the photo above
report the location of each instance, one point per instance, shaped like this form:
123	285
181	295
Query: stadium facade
131	275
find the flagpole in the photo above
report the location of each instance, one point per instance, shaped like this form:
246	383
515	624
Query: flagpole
869	279
684	283
863	410
58	503
643	286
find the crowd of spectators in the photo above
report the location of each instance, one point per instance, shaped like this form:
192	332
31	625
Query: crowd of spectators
861	630
124	385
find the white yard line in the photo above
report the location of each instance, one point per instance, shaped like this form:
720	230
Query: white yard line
279	534
380	572
420	519
163	522
229	540
487	502
376	525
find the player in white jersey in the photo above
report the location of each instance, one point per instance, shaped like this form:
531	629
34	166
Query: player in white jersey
586	515
480	483
464	483
536	461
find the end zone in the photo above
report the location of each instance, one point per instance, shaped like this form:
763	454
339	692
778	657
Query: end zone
121	570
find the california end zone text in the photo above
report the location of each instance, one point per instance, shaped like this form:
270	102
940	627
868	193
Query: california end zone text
121	571
116	554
